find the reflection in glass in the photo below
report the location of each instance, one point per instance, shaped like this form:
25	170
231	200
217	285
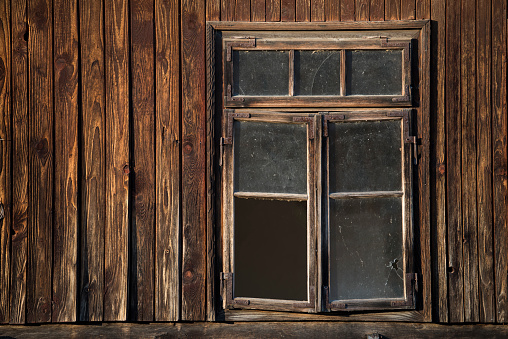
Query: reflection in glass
317	72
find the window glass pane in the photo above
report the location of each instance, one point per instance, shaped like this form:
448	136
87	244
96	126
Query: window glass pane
365	156
317	72
270	157
260	73
270	249
366	248
374	72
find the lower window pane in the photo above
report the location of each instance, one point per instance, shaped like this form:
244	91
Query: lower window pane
270	249
366	248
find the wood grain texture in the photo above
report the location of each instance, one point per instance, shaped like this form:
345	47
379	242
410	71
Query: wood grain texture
407	9
423	10
377	10
93	168
242	10
303	10
40	221
19	161
317	10
287	10
347	10
453	163
65	227
438	172
193	160
212	10
5	160
257	10
117	160
272	10
484	162
468	154
392	9
227	12
332	10
499	161
167	161
362	10
142	232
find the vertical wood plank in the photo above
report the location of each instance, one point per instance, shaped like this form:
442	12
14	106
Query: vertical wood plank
213	10
242	10
141	251
227	10
332	10
287	10
392	9
438	118
484	162
362	8
423	10
303	10
5	160
468	142
272	10
193	160
40	221
167	161
19	161
347	10
66	161
317	11
453	163
377	10
407	9
93	168
117	160
257	8
500	163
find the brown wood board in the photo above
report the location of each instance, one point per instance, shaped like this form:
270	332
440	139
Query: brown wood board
347	10
377	10
407	9
257	10
242	10
287	10
362	10
317	10
303	10
272	10
212	9
392	9
332	10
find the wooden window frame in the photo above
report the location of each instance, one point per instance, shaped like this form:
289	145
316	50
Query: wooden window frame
420	34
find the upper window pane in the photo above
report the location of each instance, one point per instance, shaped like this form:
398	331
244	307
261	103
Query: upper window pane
317	72
260	73
374	72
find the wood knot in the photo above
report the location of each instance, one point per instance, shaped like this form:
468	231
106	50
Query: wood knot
126	169
187	148
441	169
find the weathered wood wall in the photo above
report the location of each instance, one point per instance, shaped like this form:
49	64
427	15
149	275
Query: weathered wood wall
103	161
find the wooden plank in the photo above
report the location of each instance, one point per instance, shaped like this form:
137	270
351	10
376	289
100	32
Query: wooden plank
438	174
272	10
484	162
40	182
377	10
213	10
423	9
5	160
117	160
332	10
500	163
392	9
167	161
227	12
93	168
303	10
317	10
65	227
142	290
19	161
347	10
453	173
242	10
287	10
407	9
468	152
257	8
362	12
193	160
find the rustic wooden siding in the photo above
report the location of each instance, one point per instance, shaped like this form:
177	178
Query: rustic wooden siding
103	159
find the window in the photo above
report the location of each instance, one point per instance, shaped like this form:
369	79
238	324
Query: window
318	160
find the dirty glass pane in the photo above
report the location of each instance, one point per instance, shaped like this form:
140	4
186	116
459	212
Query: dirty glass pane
365	156
270	249
374	72
366	248
317	72
270	157
260	73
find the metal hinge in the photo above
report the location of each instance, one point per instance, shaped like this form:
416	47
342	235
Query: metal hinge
405	97
310	121
230	117
408	138
221	151
230	97
411	283
246	43
330	118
